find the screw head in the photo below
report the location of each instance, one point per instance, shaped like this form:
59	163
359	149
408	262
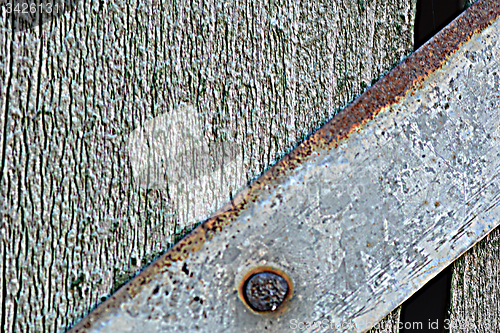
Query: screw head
265	289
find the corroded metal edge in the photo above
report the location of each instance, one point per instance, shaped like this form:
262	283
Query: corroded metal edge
407	76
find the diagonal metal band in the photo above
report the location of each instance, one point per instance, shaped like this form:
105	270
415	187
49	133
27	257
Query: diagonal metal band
359	216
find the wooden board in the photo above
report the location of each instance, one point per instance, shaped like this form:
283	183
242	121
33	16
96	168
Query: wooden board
360	215
75	224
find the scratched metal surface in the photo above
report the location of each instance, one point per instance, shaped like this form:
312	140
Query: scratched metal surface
360	215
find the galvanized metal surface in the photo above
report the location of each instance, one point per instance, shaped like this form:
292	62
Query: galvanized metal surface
360	216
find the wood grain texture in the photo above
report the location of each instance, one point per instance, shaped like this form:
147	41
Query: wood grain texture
476	287
394	227
74	224
390	324
327	157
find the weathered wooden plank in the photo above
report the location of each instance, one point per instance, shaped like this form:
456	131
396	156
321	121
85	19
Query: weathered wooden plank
262	75
359	216
476	288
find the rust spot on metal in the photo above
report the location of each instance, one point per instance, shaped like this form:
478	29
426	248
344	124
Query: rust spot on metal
266	290
399	82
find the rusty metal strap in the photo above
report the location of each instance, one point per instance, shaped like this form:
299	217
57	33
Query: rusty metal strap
355	219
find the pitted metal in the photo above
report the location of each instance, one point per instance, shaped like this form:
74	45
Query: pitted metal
265	291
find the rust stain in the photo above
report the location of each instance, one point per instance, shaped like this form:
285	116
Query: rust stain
403	79
270	269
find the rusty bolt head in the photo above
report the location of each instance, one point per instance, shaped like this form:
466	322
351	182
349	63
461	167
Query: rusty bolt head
264	289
